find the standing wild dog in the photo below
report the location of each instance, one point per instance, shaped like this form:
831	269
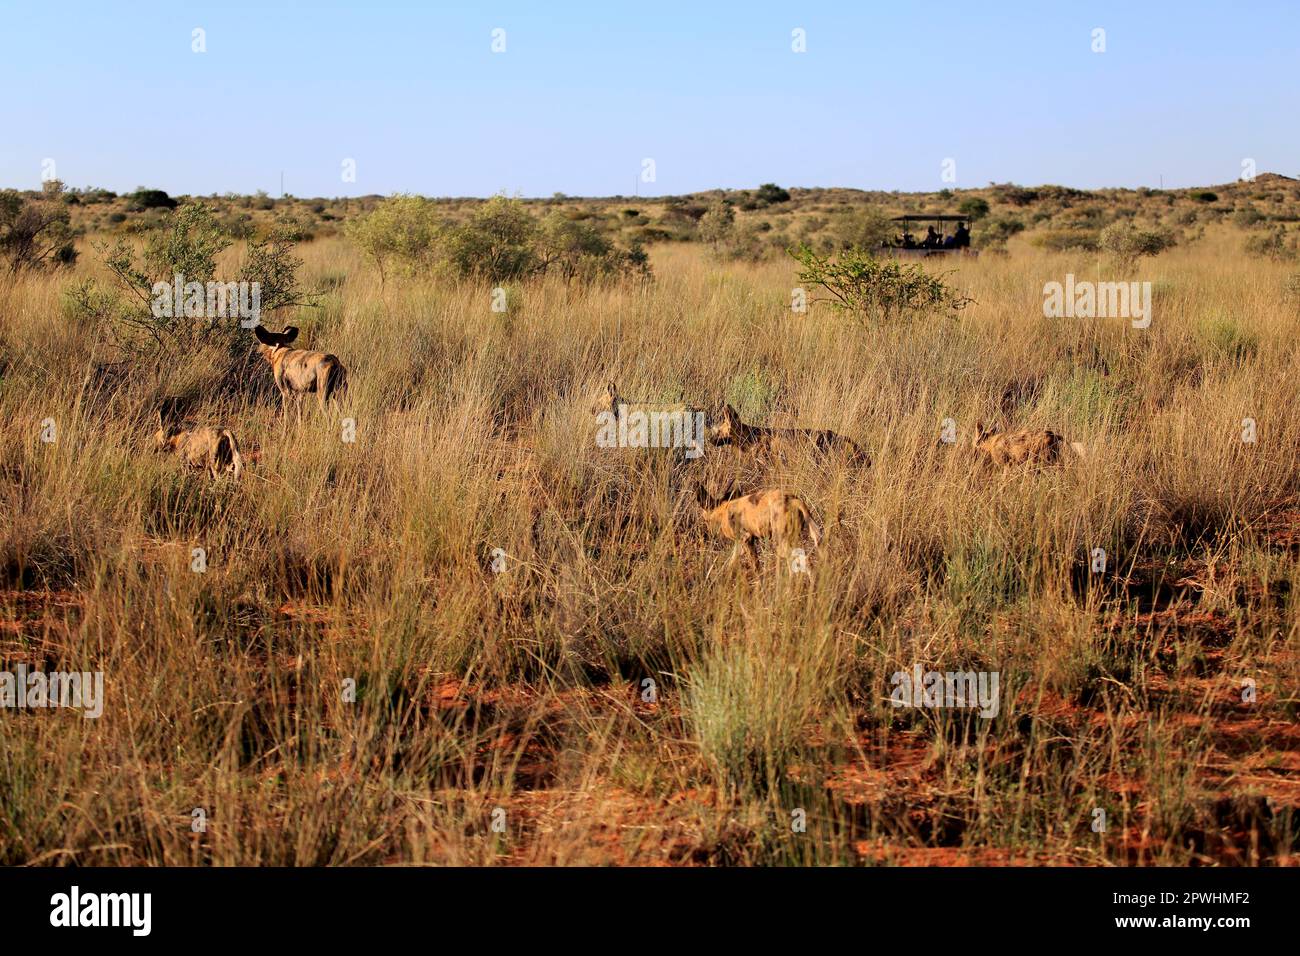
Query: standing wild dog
1025	446
215	449
778	442
648	424
772	514
299	371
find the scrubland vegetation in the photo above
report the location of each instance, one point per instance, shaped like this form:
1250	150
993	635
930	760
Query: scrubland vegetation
471	636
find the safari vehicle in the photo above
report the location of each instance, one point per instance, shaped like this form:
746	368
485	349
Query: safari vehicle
938	240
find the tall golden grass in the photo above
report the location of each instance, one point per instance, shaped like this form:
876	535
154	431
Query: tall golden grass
505	717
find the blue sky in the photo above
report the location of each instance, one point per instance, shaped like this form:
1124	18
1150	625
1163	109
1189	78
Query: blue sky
584	92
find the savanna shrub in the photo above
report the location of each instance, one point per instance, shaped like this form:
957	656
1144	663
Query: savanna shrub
35	233
188	245
1126	244
875	290
149	199
399	235
864	227
1067	240
1274	245
769	193
497	243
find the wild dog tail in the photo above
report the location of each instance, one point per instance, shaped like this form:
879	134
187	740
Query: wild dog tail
231	445
336	380
797	518
1056	441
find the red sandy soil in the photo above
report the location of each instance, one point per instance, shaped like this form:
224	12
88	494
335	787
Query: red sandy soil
1248	757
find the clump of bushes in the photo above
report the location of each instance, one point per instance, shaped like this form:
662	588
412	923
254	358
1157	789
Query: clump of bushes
143	199
501	241
36	232
1247	216
1126	244
974	207
863	227
1274	244
730	240
399	235
994	233
187	245
875	290
1015	195
1067	240
770	193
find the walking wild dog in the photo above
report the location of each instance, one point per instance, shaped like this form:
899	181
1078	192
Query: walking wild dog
772	514
215	449
730	430
1033	446
299	371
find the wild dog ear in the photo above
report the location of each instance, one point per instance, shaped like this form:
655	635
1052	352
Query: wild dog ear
273	339
703	501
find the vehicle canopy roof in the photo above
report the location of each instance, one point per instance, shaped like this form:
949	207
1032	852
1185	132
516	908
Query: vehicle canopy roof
930	217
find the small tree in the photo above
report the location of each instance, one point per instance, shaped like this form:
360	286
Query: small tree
974	207
863	228
769	193
497	243
875	290
1126	244
150	199
187	246
35	233
718	223
400	234
577	250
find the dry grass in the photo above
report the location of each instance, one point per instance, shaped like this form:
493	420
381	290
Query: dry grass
523	691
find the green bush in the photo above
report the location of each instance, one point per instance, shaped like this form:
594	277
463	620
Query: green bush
1274	245
1126	244
995	232
875	290
770	193
1067	240
498	243
577	250
149	199
1247	216
865	227
400	234
36	233
718	223
974	207
188	244
501	241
